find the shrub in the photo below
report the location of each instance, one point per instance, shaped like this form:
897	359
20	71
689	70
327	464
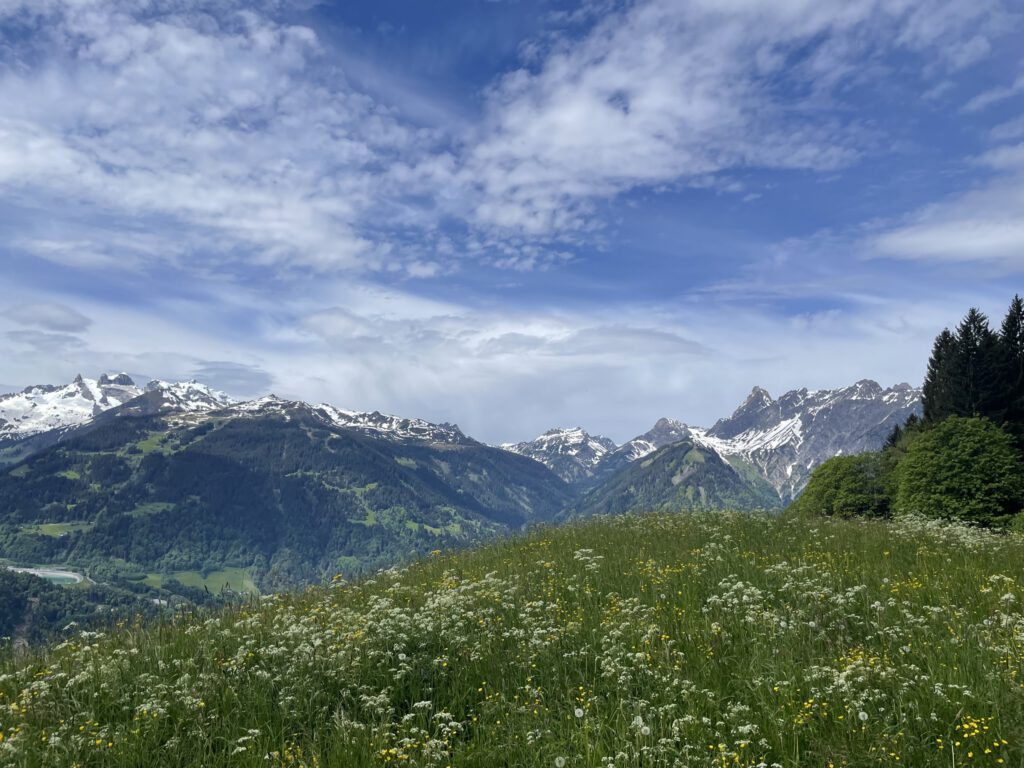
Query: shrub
846	486
963	468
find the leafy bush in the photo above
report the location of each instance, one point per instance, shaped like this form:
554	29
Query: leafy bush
964	469
846	486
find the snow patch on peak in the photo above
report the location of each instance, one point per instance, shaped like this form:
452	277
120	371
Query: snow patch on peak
396	427
43	407
190	396
569	452
374	423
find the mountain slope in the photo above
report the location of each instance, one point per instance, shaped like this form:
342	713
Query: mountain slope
271	485
681	476
39	416
664	432
569	452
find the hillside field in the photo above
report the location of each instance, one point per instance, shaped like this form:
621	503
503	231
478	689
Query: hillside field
712	639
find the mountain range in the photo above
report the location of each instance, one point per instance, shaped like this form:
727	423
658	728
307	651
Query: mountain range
135	484
780	440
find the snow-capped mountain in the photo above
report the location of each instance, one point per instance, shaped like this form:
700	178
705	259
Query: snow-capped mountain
55	409
786	438
570	452
42	408
664	432
189	396
374	423
47	408
783	440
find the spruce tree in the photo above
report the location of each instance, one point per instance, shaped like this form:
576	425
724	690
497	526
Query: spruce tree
894	437
1011	344
937	395
975	383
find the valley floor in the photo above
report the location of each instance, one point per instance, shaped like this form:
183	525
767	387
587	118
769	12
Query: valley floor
658	640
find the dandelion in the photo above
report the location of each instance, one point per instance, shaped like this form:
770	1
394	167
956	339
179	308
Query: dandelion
559	762
578	713
862	716
645	731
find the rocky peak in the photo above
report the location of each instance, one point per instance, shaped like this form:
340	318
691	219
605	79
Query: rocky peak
569	452
119	380
757	411
788	438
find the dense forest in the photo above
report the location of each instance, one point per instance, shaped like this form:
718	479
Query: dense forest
963	460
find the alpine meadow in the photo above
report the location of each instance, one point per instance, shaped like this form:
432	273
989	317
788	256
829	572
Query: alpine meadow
511	384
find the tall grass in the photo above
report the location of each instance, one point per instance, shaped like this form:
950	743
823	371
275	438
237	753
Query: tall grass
710	640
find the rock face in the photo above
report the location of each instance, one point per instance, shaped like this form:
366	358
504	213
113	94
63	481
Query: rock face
787	438
571	453
780	441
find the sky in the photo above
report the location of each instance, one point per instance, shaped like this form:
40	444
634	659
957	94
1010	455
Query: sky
510	215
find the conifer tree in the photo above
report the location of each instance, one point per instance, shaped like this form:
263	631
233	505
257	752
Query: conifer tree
937	395
894	437
1011	342
975	383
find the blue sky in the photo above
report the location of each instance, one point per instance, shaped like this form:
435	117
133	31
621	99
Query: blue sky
511	215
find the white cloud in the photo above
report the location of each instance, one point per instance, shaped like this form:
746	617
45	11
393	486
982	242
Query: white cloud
501	373
48	315
665	92
995	95
984	225
230	137
1011	129
208	126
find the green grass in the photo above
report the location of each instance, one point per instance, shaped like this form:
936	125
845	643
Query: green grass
661	640
237	579
151	508
57	529
156	442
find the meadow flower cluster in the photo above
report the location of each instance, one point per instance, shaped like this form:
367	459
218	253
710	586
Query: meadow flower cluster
688	640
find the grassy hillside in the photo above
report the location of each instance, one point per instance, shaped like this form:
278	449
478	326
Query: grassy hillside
705	640
679	476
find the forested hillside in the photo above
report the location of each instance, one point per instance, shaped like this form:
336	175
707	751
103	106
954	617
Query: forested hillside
285	496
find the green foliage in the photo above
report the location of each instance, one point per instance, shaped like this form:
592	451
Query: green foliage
966	469
1011	335
642	642
959	462
978	372
33	610
846	486
680	476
